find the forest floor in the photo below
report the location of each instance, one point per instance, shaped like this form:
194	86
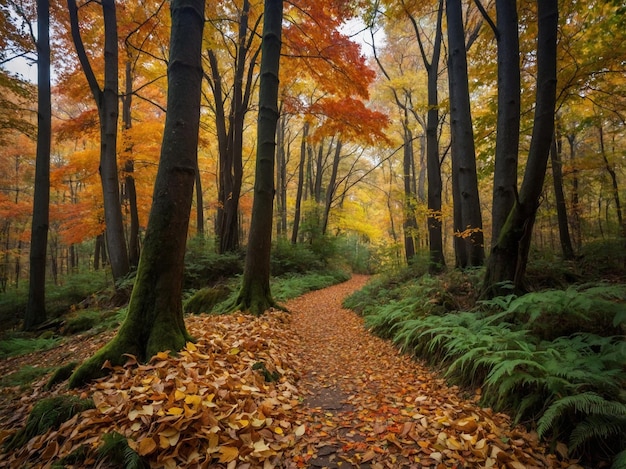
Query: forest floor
310	388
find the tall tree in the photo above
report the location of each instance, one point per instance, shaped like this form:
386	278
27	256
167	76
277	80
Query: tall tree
468	225
36	309
106	99
508	120
255	295
509	254
433	165
155	319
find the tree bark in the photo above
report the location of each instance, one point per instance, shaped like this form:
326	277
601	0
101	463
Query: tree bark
433	167
509	256
107	103
409	222
330	190
129	168
155	318
300	190
559	196
468	225
255	295
508	120
614	185
230	137
36	309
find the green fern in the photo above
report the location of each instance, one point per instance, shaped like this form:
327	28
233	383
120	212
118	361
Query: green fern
588	403
115	450
598	427
619	461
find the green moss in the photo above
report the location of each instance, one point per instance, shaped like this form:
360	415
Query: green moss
48	414
204	300
83	321
61	374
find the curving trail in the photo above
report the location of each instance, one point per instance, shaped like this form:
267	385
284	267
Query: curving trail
369	406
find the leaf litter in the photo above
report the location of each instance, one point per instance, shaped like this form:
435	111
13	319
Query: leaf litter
310	388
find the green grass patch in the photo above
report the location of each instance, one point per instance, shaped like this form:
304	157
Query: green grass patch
14	346
285	288
24	376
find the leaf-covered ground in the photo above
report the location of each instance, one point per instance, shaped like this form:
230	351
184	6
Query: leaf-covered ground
310	388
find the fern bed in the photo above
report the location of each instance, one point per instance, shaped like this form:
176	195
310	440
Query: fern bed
554	359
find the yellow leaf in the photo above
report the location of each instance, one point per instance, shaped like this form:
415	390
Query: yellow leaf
228	453
191	347
243	423
162	356
179	395
233	351
278	431
193	400
175	411
146	446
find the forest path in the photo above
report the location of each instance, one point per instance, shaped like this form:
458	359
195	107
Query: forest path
370	406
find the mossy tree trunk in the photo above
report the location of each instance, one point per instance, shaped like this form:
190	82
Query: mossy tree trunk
255	295
155	319
509	255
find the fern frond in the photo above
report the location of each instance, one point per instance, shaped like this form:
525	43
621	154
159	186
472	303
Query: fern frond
619	461
586	403
597	427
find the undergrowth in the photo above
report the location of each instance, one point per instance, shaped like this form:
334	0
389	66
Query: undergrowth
555	359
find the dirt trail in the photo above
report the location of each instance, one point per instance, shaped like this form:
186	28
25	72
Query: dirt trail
371	407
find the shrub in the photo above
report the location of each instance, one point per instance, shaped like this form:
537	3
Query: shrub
204	267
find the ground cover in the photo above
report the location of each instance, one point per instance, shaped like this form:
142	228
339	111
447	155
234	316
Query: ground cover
309	388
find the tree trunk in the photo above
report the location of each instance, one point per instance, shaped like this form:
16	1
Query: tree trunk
296	215
281	179
559	196
508	121
129	168
330	190
155	318
410	223
107	103
255	295
614	185
36	309
433	167
231	139
509	256
199	205
468	225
